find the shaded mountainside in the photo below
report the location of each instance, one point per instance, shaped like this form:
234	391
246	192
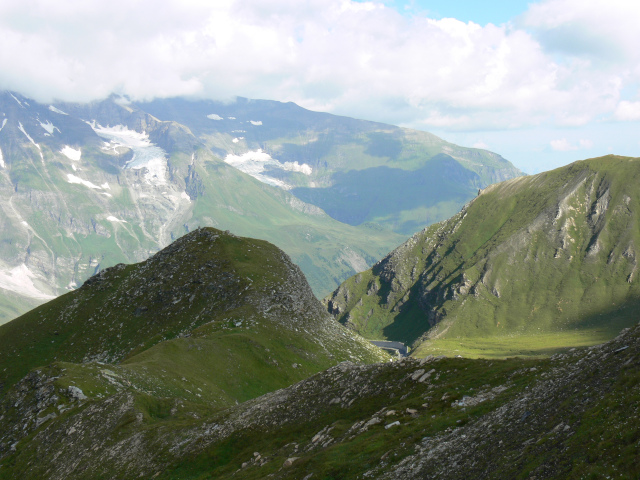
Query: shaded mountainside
357	171
572	416
530	265
85	187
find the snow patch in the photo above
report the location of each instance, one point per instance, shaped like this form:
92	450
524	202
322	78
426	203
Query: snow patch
255	122
213	116
146	155
19	102
185	196
255	163
121	134
111	218
49	127
235	140
156	169
71	153
105	186
26	134
2	160
4	122
20	280
55	110
71	178
24	223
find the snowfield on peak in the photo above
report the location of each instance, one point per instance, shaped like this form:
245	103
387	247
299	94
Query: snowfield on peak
71	153
255	162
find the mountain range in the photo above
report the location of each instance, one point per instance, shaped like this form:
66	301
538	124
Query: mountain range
87	186
170	349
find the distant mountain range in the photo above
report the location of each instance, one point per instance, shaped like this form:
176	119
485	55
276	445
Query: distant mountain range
530	266
86	186
357	171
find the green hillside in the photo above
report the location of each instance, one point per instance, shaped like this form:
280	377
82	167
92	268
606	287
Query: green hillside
216	309
572	416
531	265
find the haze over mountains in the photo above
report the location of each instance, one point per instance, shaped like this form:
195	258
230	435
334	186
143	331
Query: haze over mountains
87	186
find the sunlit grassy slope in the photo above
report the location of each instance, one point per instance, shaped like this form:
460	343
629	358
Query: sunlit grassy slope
532	264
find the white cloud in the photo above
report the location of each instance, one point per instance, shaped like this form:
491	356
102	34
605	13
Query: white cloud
564	62
628	111
599	30
480	144
563	145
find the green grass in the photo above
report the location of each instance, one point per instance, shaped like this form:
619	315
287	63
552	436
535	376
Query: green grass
516	264
209	286
542	345
351	457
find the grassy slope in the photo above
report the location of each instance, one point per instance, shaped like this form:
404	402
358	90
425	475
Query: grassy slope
552	254
572	416
205	278
316	242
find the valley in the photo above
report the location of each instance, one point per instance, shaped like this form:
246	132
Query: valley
530	266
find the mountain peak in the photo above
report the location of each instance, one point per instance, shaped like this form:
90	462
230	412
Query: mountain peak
547	257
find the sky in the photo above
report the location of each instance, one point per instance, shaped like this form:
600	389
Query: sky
543	83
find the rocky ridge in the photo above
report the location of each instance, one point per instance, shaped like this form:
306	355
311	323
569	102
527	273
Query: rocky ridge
570	416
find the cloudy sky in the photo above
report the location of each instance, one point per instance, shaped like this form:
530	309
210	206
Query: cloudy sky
542	83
